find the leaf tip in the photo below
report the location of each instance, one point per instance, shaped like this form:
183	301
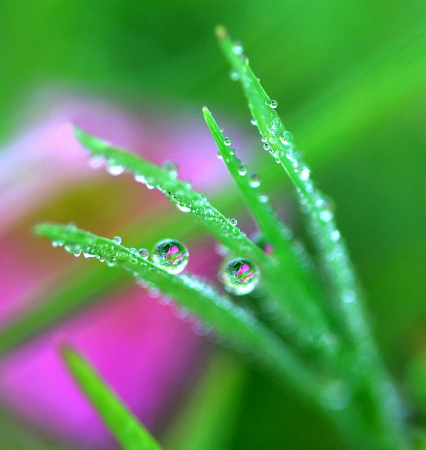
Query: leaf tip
221	32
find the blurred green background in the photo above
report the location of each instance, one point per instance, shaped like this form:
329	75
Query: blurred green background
350	81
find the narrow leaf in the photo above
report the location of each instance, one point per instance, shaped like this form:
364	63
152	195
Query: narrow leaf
302	297
319	211
126	428
231	322
178	192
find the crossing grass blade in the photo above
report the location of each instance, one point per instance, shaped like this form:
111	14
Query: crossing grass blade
125	427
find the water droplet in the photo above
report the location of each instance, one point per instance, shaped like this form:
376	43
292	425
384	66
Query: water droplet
237	48
234	75
304	174
117	240
233	222
140	179
182	206
275	123
286	138
242	169
266	147
171	167
114	169
240	276
335	235
254	180
273	104
268	102
219	155
326	216
253	122
263	198
232	151
227	141
170	255
144	253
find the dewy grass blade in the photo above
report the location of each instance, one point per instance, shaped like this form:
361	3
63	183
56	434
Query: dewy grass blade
231	322
318	209
301	301
188	200
332	251
125	427
178	192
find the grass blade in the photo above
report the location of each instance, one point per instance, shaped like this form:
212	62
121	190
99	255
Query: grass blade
178	192
125	427
332	251
233	323
301	292
188	200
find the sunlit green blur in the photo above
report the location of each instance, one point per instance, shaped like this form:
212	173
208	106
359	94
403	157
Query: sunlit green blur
350	81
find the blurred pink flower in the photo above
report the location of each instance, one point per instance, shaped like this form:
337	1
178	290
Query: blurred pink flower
144	352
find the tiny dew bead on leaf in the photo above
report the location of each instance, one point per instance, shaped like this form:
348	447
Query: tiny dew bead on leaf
171	255
240	276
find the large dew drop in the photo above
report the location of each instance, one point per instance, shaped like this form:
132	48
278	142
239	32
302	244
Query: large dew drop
170	255
240	276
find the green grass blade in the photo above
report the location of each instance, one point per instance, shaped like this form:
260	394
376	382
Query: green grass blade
178	192
301	294
332	251
233	323
318	209
125	427
274	230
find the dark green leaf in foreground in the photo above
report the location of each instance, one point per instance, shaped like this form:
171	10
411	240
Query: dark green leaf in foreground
125	427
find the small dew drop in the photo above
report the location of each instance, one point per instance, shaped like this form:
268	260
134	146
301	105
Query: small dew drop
254	180
234	75
242	169
273	104
117	240
219	155
171	167
335	235
266	147
227	141
286	138
233	222
182	206
275	123
326	216
253	122
268	102
140	179
144	253
240	276
237	48
304	174
263	198
114	169
171	255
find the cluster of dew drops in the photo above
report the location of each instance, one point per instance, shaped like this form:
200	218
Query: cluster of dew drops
184	200
239	275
